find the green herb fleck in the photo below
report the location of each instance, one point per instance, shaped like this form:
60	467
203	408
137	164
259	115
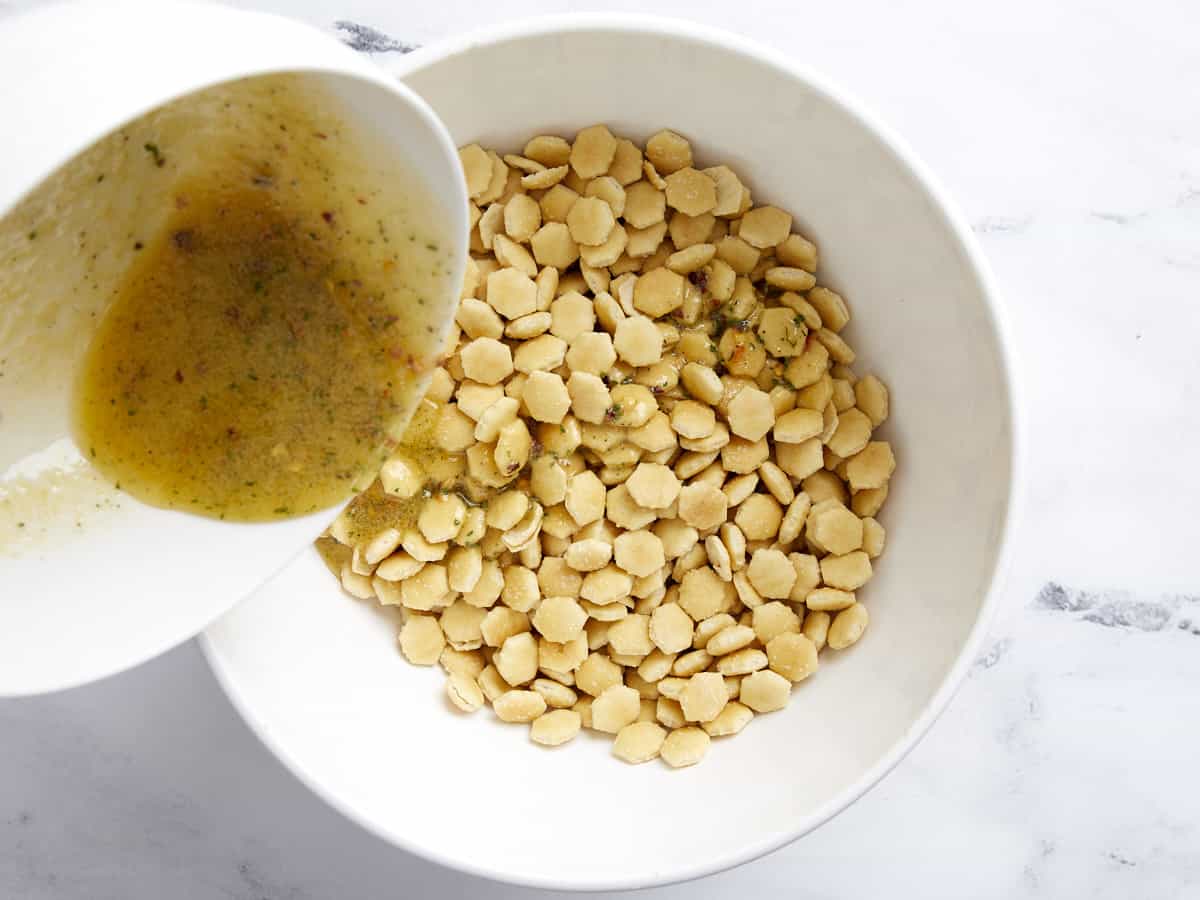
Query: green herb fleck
155	154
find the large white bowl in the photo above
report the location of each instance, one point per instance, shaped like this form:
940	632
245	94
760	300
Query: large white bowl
318	676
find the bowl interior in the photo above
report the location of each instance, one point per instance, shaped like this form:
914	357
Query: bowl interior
320	677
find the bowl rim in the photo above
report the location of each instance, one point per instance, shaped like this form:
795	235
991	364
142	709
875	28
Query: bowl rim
967	246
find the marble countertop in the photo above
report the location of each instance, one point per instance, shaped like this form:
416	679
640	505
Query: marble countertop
1066	767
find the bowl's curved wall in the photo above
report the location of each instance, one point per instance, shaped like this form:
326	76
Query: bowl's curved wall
319	676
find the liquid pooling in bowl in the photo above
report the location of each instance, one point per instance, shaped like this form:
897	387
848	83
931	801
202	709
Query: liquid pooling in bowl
256	332
209	385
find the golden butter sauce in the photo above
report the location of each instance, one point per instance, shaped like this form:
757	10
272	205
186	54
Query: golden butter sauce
263	351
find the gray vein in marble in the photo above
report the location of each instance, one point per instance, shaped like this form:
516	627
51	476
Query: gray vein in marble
23	818
366	39
1178	262
1117	609
1032	873
1187	200
259	886
1190	197
1004	225
1019	735
993	655
1117	218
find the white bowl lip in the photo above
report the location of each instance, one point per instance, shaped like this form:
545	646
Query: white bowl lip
347	67
663	26
378	79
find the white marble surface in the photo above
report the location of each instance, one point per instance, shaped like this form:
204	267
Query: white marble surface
1066	767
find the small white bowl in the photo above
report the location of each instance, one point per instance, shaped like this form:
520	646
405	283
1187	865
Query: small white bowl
81	603
318	676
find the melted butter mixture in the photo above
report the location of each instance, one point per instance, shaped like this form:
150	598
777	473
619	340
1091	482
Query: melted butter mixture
373	510
257	309
209	386
53	505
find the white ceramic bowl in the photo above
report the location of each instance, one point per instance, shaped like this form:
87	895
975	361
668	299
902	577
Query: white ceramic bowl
78	603
318	675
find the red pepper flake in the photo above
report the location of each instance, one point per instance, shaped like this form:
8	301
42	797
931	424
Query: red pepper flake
178	376
328	217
